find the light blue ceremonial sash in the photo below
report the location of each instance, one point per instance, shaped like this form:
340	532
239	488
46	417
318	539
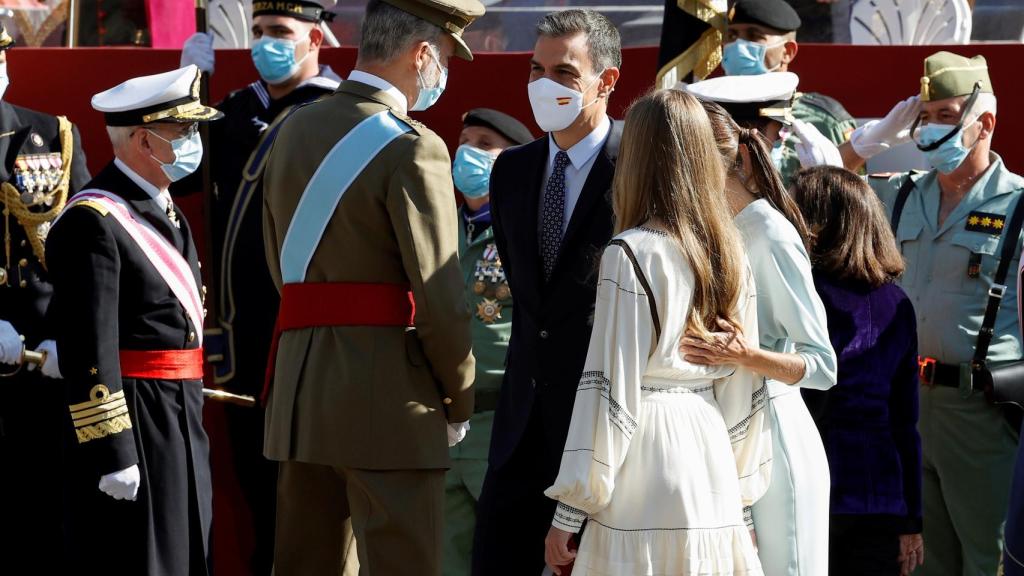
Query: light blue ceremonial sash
339	169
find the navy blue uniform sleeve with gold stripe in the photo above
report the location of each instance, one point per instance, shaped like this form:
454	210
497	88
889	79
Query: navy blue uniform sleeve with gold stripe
84	264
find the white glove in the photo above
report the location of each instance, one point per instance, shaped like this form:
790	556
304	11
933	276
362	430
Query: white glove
122	485
50	368
813	148
11	345
878	136
456	432
198	50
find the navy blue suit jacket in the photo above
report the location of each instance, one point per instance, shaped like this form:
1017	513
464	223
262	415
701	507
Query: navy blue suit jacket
552	323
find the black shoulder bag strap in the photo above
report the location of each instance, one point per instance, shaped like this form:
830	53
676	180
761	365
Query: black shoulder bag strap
901	201
995	294
643	282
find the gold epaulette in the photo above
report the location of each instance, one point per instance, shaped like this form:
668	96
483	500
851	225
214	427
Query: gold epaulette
102	415
97	206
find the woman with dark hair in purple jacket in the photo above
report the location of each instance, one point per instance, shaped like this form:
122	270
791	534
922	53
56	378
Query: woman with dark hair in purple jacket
868	421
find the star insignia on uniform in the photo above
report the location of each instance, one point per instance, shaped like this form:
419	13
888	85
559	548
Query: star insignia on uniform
488	311
973	220
93	371
997	224
986	221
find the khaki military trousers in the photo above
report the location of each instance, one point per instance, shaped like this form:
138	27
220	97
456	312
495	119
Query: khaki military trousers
968	454
392	519
462	487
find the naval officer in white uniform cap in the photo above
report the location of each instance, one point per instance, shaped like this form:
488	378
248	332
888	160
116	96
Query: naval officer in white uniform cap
128	305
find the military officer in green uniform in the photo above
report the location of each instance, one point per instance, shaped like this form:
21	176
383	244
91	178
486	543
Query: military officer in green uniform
950	231
485	133
373	381
762	38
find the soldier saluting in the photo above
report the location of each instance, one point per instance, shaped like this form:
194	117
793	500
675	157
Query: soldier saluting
43	165
130	310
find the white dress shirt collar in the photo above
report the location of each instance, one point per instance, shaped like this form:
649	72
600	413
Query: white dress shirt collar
384	86
159	196
584	150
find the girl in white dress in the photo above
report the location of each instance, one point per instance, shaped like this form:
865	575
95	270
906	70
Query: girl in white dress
793	351
662	455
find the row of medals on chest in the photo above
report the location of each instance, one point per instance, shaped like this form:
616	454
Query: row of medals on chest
36	177
490	282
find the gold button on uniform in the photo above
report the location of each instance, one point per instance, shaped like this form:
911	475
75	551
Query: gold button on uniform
191	336
447	401
23	262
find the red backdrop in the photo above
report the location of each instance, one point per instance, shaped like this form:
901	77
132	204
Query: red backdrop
867	80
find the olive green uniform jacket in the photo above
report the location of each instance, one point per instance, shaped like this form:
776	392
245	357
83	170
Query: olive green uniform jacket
374	398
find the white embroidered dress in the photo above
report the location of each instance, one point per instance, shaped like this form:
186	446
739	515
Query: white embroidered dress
662	455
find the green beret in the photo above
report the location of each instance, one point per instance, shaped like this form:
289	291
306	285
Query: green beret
776	14
948	75
505	125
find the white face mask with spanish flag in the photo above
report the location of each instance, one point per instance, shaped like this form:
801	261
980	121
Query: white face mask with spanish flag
556	107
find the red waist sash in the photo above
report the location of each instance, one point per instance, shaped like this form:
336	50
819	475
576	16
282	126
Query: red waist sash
320	304
162	364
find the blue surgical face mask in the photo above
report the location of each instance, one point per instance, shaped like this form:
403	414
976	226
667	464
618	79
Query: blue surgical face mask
951	153
472	171
745	58
188	154
275	59
428	96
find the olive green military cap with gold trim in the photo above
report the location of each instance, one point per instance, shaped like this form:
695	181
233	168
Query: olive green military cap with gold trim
948	75
452	16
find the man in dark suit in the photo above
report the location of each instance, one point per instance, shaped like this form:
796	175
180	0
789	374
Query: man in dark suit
552	216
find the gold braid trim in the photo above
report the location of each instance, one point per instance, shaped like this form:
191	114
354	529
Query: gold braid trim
704	55
30	220
103	429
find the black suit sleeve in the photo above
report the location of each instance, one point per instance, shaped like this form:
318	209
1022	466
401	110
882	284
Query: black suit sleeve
79	169
498	182
84	265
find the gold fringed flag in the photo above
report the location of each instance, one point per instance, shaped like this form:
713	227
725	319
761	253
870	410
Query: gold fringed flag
691	40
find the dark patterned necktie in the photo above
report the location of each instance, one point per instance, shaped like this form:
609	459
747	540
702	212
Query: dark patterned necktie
553	215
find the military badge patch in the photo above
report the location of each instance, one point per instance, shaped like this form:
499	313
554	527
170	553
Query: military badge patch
488	311
985	223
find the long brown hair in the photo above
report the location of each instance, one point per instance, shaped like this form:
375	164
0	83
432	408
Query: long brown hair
850	235
767	183
669	170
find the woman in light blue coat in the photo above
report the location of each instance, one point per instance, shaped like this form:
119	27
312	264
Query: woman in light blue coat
791	520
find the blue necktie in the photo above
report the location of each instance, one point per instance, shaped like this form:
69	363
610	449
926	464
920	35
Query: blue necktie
553	215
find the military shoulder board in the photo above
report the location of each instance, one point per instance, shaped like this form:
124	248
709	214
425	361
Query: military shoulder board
986	223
